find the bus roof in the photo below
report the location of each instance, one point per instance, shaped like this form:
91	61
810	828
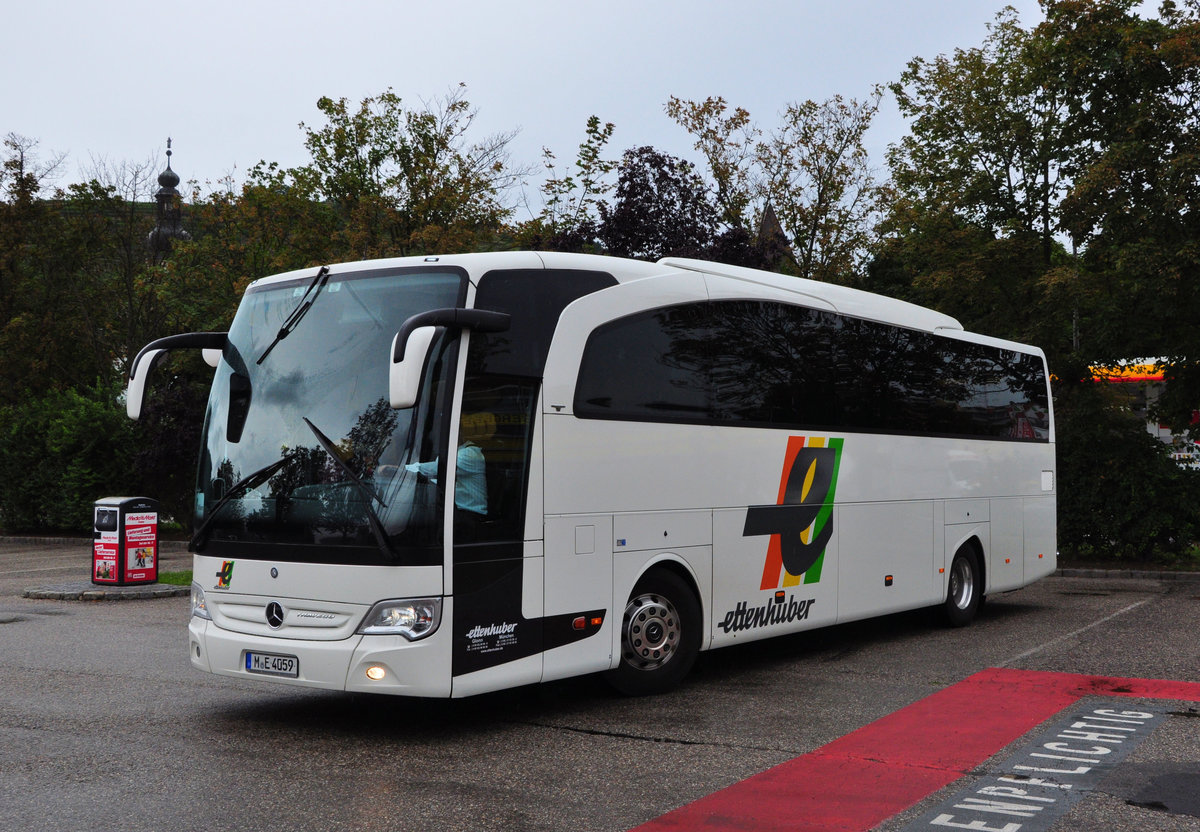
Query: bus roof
843	299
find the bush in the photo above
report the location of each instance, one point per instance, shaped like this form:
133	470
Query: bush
1121	496
58	455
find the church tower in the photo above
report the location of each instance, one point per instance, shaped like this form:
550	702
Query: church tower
168	213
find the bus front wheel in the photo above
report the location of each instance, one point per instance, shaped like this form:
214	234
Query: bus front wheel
660	635
965	592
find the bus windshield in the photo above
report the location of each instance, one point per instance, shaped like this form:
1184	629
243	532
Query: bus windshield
302	456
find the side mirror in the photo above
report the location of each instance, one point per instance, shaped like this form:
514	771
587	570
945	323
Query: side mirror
404	377
139	369
410	347
138	373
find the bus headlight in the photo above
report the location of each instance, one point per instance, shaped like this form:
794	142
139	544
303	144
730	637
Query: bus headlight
199	603
412	618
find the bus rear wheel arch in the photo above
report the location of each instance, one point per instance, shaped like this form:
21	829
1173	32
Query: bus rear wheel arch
964	590
660	634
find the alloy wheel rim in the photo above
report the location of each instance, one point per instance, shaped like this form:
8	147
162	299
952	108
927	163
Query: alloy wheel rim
650	631
962	584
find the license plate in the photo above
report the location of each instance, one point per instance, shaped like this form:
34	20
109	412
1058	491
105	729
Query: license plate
273	664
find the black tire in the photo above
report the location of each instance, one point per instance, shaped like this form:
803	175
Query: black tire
660	635
964	593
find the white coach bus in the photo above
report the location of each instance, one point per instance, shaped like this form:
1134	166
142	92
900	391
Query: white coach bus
439	476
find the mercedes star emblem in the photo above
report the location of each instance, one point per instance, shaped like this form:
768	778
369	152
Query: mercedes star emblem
275	615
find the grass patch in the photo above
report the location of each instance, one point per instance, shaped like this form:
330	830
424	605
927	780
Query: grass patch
182	577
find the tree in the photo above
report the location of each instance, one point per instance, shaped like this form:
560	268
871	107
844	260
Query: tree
727	143
990	134
60	452
23	175
817	178
72	290
812	171
1134	205
571	202
662	208
408	181
978	184
1082	127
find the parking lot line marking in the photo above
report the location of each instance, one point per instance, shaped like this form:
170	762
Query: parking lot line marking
865	777
1072	634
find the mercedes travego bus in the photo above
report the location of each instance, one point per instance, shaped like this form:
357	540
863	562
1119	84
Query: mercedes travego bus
439	476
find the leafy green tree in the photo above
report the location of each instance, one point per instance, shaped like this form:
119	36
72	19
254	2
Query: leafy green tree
1134	205
990	134
1081	128
571	202
59	453
409	181
817	178
977	187
727	141
811	171
73	288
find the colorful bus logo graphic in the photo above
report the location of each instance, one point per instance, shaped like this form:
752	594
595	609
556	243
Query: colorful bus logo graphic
225	576
800	522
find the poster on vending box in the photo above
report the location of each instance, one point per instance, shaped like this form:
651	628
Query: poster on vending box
141	536
104	557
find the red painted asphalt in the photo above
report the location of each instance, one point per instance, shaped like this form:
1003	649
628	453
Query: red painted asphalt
864	778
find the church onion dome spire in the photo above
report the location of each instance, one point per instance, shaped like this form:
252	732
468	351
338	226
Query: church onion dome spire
169	179
168	212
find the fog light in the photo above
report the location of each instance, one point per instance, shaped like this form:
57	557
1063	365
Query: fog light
375	673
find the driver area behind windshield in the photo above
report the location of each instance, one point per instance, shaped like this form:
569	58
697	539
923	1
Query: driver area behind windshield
345	490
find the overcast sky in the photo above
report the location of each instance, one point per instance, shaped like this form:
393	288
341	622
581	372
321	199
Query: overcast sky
229	80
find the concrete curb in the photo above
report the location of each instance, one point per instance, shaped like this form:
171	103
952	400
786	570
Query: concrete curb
88	591
85	542
1144	574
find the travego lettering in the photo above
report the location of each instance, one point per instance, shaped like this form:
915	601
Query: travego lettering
779	611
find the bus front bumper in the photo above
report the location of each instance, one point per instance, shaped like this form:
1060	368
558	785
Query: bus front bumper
398	666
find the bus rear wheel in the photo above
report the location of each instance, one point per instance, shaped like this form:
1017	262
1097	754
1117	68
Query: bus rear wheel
660	635
965	592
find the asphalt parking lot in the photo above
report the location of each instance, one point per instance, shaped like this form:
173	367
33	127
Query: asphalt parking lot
106	726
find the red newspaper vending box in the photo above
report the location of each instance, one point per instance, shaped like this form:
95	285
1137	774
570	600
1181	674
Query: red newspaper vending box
125	541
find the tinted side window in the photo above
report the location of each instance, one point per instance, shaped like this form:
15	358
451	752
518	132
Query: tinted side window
651	366
774	364
765	364
535	299
899	380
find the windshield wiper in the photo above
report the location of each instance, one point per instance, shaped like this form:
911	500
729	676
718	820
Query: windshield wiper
376	524
246	483
306	302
